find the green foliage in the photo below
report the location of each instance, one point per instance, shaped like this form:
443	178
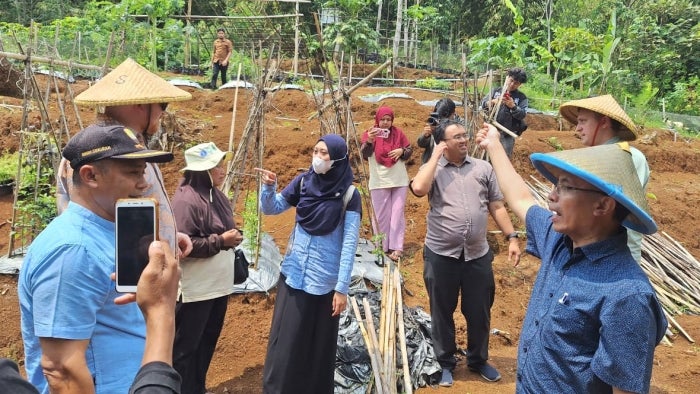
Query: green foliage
8	167
251	220
685	97
351	35
36	193
434	84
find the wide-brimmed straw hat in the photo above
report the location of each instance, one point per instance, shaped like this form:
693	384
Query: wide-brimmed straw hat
130	83
604	105
204	157
608	168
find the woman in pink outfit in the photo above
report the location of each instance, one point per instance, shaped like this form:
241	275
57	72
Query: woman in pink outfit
387	148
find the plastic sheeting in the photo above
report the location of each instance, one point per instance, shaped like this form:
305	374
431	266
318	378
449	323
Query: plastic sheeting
353	371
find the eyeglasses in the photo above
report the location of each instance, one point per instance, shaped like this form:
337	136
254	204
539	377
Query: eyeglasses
163	106
566	189
459	137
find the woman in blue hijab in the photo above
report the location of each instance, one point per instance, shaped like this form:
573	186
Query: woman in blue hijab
315	272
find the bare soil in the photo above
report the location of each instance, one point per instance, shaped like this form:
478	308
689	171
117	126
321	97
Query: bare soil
237	364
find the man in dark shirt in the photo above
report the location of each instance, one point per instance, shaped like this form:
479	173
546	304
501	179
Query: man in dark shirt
513	108
593	320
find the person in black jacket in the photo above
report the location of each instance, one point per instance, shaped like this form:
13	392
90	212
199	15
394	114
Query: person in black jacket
155	294
513	109
444	110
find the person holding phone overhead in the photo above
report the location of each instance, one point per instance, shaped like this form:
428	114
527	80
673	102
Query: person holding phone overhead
387	148
315	273
203	212
75	336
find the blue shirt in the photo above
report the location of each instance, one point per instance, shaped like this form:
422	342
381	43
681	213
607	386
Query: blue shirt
316	264
65	291
593	320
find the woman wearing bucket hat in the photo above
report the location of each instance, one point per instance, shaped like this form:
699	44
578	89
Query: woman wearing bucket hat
135	98
593	320
315	273
203	212
600	120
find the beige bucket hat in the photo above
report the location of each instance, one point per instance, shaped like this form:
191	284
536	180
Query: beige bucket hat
610	169
204	156
604	105
130	83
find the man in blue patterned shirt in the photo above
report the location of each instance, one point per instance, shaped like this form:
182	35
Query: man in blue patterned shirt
593	320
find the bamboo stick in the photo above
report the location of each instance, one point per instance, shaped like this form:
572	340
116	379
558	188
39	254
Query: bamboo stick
381	382
680	329
41	59
368	343
408	386
233	111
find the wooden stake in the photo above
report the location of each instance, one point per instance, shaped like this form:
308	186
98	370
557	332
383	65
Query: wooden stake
370	348
408	386
233	111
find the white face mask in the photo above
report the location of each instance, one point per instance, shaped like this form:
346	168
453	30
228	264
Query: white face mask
321	166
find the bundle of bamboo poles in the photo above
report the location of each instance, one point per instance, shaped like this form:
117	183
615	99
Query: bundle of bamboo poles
672	270
381	341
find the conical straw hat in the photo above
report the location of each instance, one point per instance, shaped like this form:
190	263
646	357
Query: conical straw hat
130	83
604	105
608	168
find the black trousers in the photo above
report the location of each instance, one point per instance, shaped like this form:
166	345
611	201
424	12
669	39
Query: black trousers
445	278
302	344
197	329
216	67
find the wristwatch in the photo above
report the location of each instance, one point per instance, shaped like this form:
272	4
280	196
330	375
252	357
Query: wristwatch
512	235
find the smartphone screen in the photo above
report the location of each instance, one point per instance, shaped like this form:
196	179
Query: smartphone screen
136	227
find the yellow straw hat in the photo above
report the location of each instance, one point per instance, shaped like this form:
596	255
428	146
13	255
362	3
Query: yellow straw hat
604	105
130	83
610	169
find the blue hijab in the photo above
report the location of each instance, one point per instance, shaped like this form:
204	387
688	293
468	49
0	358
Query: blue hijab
319	198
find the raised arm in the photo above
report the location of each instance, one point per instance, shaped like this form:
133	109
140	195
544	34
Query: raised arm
512	185
423	181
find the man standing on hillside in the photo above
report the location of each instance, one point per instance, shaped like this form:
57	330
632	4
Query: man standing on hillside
462	192
593	320
600	120
223	48
136	98
511	114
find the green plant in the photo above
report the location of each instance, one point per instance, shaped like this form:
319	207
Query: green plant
8	168
251	220
36	191
432	83
554	143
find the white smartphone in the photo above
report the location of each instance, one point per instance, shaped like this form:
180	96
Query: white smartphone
382	133
136	227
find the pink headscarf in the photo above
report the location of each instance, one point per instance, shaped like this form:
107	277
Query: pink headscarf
382	146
